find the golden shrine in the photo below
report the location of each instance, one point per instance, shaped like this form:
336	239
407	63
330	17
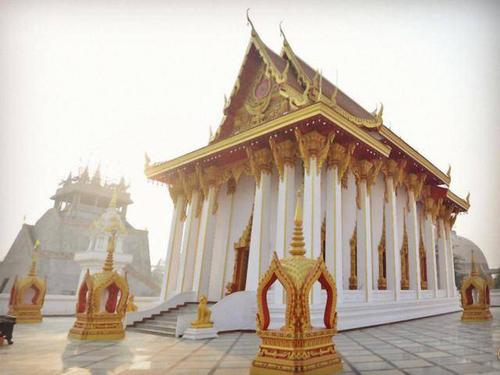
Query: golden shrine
475	293
102	299
297	347
27	295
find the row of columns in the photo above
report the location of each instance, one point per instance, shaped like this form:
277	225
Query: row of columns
193	263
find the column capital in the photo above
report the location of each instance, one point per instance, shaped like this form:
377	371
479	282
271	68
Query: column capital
207	177
414	183
283	154
448	215
366	170
260	161
431	205
189	183
313	144
394	169
340	156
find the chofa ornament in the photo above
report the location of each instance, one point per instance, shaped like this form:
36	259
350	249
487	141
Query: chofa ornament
28	294
297	347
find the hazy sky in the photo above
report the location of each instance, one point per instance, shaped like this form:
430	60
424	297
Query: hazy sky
83	82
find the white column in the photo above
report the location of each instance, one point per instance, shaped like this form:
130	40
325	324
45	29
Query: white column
413	234
449	246
284	223
444	268
188	249
333	240
174	243
204	245
258	257
430	254
221	246
364	241
393	255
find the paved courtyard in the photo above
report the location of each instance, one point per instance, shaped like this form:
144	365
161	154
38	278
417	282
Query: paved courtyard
437	345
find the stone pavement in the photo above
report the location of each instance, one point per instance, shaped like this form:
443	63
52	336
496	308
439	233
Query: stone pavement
437	345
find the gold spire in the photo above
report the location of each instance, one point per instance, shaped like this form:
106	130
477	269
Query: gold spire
473	265
108	263
249	22
297	245
112	203
33	258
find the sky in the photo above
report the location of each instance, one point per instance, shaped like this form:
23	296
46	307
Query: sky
89	82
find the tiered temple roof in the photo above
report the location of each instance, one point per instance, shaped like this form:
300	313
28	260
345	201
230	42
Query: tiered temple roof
275	94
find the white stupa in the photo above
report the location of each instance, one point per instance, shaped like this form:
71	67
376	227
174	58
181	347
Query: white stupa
93	258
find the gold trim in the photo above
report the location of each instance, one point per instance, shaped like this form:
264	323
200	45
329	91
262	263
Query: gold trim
457	200
273	125
415	155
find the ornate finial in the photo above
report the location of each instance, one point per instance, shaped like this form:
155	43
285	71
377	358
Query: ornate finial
36	248
108	263
282	33
448	173
297	245
380	112
467	198
249	22
473	265
147	160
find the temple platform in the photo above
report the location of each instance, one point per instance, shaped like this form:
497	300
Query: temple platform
436	345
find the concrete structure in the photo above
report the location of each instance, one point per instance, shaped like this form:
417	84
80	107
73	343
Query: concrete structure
70	228
377	211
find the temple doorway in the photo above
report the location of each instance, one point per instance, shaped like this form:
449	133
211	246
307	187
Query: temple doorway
241	249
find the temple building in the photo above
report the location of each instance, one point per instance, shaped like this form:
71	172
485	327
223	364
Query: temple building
378	212
72	226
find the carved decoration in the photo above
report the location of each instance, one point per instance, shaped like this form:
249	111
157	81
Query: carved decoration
382	257
405	268
395	170
414	183
423	261
241	249
341	156
367	171
353	243
313	145
283	154
260	161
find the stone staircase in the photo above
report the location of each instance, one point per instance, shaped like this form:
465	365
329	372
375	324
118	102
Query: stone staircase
164	323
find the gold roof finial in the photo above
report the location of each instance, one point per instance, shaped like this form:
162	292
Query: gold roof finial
147	160
36	248
467	198
282	33
473	265
249	22
297	245
448	173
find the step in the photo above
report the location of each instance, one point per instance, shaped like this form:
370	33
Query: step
151	332
156	327
160	323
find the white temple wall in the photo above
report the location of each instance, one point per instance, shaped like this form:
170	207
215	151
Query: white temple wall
348	222
242	209
377	203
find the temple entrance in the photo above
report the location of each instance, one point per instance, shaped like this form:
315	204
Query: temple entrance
242	249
